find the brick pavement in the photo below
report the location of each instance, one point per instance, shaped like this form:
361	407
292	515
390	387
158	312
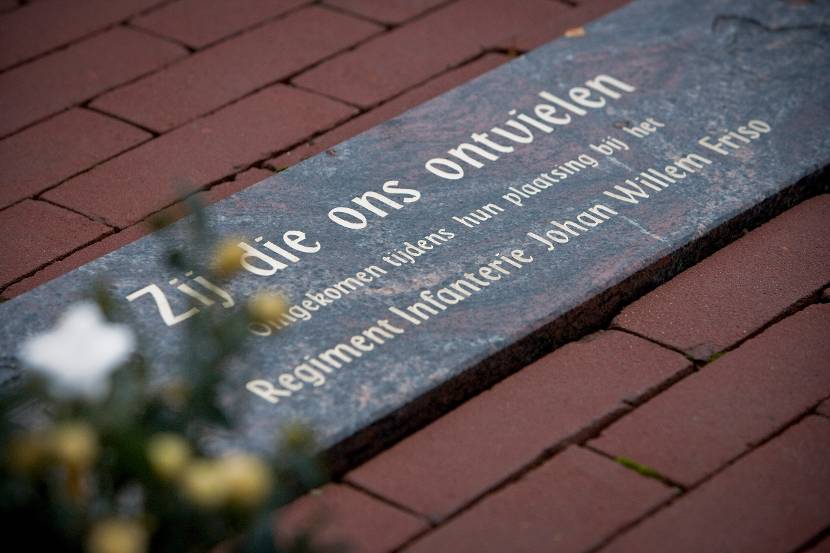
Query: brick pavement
698	421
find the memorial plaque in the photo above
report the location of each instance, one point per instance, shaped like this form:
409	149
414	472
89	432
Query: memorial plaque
429	257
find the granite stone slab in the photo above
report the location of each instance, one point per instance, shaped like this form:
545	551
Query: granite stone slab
426	260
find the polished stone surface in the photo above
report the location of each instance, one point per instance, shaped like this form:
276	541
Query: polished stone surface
699	69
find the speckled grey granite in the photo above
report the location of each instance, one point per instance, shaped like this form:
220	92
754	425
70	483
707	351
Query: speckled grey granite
700	68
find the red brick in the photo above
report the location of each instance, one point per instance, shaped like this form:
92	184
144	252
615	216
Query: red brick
67	77
198	23
453	460
389	64
774	499
35	233
43	26
126	189
232	69
542	32
390	109
341	515
386	11
570	503
824	408
76	259
715	414
731	294
44	155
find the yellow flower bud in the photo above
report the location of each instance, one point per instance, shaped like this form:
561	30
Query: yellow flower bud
227	257
117	535
74	444
203	484
168	454
247	478
27	451
267	306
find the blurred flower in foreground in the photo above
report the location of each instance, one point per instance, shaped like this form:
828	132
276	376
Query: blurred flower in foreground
117	535
203	484
227	258
114	459
78	355
247	478
168	454
267	306
74	444
240	480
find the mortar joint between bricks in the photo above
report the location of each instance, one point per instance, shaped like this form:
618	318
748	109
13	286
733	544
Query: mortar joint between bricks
661	387
58	258
225	38
60	48
510	52
812	542
634	523
263	164
88	106
232	177
288	81
149	32
639	468
753	446
798	306
654	341
390	502
389	26
344	11
76	212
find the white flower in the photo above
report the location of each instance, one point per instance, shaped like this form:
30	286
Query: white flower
78	355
